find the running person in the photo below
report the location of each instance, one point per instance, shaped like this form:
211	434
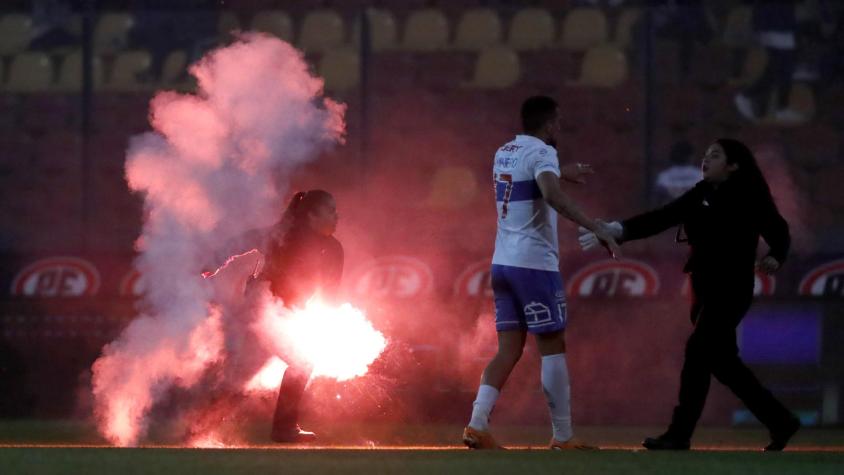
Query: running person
303	259
526	281
723	217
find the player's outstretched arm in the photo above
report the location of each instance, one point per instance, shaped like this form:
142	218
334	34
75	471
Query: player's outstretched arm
549	186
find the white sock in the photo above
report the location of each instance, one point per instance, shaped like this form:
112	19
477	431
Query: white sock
487	395
555	385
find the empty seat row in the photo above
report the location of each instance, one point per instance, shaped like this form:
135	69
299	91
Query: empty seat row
426	29
495	67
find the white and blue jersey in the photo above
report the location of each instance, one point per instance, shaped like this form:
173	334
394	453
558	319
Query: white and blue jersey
525	266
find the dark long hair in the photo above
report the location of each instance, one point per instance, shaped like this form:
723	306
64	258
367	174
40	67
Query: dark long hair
295	217
748	177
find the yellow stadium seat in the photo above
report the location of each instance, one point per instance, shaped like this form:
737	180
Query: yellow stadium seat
126	68
70	75
341	69
15	33
426	30
227	23
478	28
738	28
531	29
496	68
627	20
112	31
382	30
452	187
584	28
322	30
174	66
30	72
755	61
802	99
603	66
274	22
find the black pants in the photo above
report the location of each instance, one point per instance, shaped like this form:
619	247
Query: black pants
289	397
719	304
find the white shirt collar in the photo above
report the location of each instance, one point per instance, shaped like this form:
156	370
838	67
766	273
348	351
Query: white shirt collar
529	139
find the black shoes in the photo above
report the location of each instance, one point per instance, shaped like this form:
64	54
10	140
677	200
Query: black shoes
780	437
294	435
665	442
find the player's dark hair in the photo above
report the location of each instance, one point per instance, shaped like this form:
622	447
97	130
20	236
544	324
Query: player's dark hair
748	175
301	204
536	112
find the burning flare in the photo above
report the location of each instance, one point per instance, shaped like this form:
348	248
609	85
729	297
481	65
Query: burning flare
338	342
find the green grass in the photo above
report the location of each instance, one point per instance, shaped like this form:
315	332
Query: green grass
721	457
249	461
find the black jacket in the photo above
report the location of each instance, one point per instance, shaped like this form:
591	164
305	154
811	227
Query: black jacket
723	226
304	263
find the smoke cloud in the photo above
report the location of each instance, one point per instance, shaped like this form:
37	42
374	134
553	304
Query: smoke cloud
215	167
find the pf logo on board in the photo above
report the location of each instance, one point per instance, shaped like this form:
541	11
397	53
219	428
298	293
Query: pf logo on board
393	277
132	284
475	281
57	277
826	280
611	278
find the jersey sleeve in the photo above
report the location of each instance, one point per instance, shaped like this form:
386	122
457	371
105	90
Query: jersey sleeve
544	159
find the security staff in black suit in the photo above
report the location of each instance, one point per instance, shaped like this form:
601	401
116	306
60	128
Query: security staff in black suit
723	217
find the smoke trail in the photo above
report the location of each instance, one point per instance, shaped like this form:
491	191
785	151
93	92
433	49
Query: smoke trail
214	168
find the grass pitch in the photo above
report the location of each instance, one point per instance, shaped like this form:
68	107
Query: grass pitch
28	447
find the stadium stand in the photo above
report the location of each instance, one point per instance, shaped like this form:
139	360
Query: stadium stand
583	28
30	73
496	68
479	28
127	68
383	30
15	31
341	69
274	22
322	30
426	30
531	29
112	31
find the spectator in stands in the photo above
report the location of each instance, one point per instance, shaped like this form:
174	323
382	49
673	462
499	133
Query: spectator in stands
775	26
680	176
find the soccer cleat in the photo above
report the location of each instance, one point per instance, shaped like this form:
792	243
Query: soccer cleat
780	438
294	435
571	444
665	442
479	440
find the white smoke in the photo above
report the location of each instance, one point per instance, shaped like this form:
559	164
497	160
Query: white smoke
214	168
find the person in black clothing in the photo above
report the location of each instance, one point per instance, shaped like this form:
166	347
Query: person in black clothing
723	217
303	259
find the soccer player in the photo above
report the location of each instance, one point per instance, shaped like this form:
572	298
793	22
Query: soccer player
526	281
723	217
